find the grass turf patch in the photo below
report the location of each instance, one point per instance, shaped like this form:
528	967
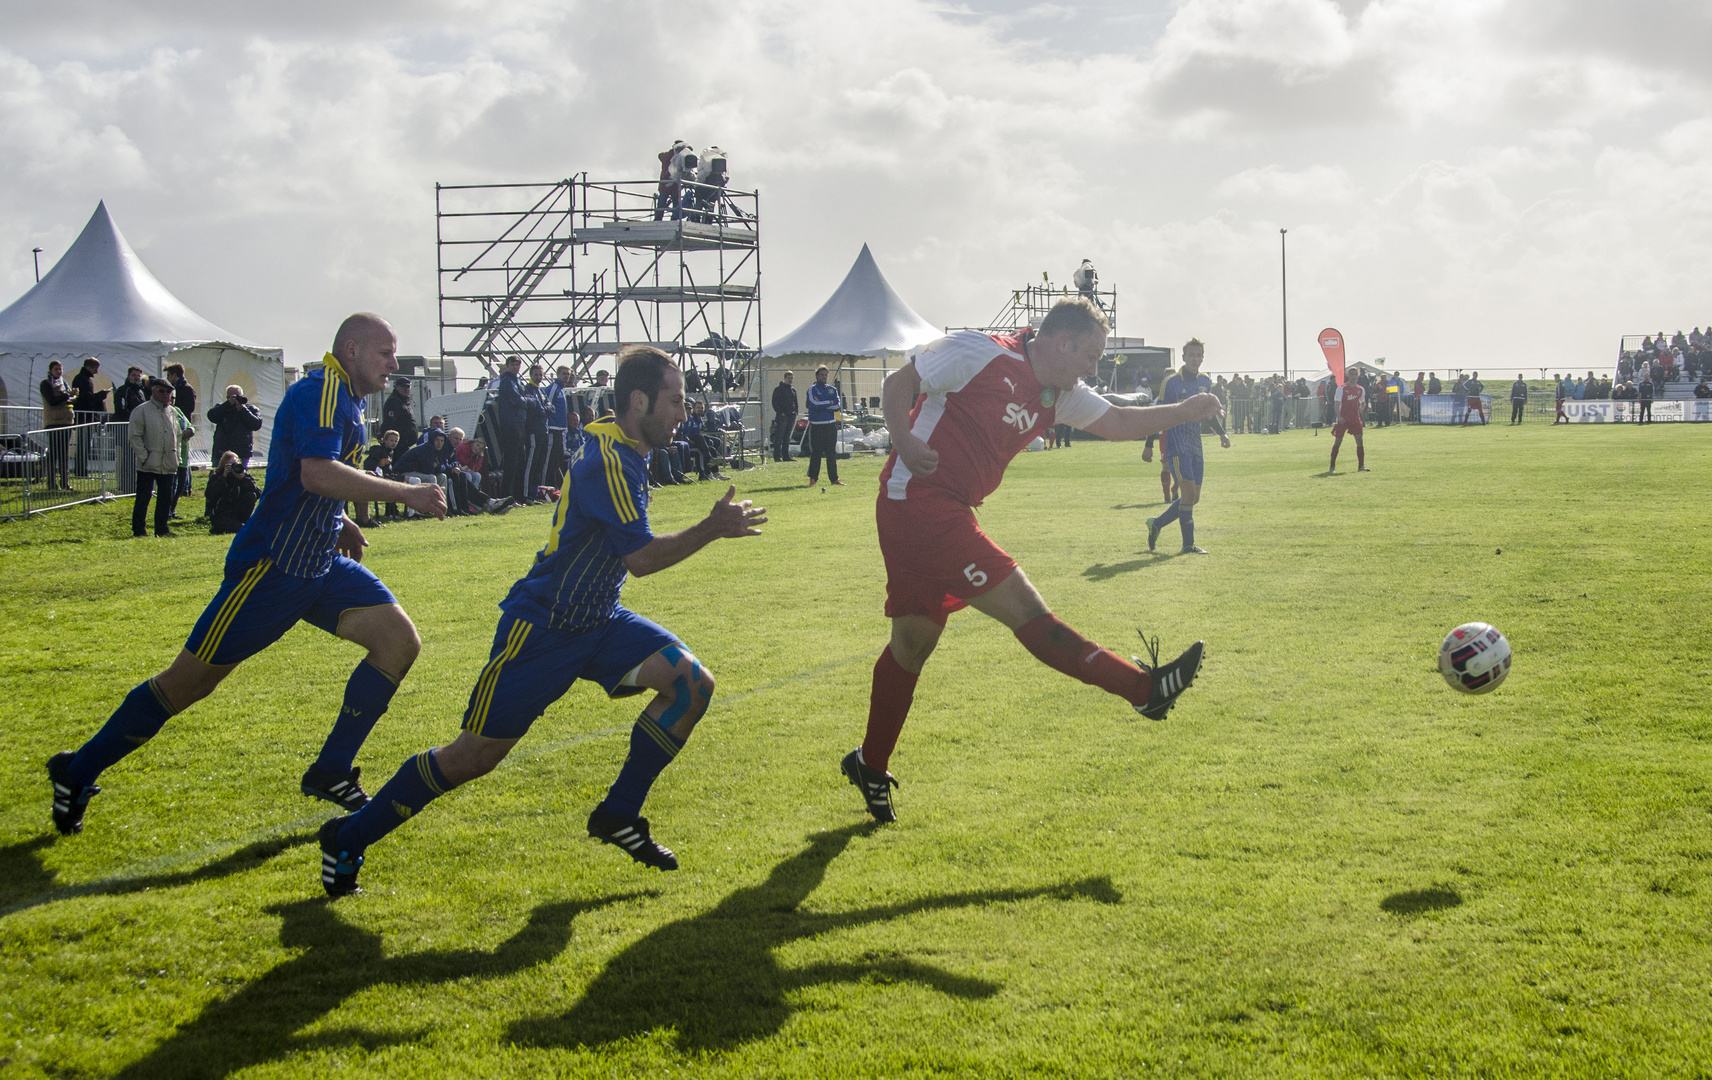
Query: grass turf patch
1324	863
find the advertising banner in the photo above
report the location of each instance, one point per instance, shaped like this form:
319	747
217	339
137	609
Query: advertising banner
1450	408
1331	343
1628	412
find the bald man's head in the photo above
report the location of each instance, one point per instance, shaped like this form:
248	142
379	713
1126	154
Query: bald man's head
357	331
368	351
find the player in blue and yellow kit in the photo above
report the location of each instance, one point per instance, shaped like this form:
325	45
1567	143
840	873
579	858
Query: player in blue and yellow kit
562	622
297	558
1183	449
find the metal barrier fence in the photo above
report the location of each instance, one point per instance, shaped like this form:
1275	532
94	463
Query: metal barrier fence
47	468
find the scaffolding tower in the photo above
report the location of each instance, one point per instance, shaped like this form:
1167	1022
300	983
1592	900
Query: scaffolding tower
1029	305
567	272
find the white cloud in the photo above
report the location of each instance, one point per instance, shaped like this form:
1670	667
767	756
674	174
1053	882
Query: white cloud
1315	184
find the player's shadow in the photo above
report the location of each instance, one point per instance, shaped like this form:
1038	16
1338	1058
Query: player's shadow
26	883
713	979
1139	506
1108	571
260	1023
1421	901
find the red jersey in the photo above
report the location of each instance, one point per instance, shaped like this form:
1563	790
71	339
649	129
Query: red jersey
1349	398
980	406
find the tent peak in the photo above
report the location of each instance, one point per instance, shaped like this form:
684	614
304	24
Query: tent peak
864	316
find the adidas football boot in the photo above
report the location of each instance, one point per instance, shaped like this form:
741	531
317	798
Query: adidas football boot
1169	680
338	866
875	786
631	834
69	800
340	789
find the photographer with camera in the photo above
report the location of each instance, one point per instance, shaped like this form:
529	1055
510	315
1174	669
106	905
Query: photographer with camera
235	422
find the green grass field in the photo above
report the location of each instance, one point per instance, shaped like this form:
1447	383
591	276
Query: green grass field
1324	863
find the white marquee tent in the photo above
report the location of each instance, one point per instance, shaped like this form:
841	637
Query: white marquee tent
863	317
100	300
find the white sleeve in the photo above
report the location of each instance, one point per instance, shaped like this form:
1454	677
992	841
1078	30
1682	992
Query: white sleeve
1081	407
947	364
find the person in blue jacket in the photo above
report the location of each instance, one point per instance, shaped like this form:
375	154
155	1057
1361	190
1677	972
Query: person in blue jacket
824	401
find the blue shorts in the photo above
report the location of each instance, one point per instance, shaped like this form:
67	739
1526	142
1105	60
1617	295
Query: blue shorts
258	603
532	666
1187	468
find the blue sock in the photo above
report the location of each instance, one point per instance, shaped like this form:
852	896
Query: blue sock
417	783
367	695
1170	515
142	713
1187	520
652	748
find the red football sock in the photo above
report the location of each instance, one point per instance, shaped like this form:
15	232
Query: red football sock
1057	646
888	706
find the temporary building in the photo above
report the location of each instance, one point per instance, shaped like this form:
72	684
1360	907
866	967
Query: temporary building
863	320
100	300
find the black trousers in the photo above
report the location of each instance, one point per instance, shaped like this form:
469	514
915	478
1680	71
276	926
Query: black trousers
823	442
784	425
514	459
1516	411
163	486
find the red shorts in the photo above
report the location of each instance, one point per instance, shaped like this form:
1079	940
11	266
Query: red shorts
937	557
1341	426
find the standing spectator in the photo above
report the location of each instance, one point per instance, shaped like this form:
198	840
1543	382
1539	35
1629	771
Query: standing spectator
540	438
230	495
1420	392
1646	399
557	407
398	414
1434	387
154	429
88	406
784	416
132	392
573	430
1275	404
184	399
824	402
1459	401
512	414
57	418
235	422
1518	399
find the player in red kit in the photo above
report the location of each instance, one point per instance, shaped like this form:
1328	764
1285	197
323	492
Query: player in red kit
972	403
1349	399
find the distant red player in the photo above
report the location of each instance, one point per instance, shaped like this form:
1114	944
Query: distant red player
1349	398
958	412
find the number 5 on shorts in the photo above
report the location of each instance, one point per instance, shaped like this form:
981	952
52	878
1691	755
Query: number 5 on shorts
976	577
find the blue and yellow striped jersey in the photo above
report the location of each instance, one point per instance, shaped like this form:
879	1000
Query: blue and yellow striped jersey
1184	438
318	417
602	516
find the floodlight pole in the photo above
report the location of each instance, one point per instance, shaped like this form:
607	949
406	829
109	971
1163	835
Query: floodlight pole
1284	298
36	256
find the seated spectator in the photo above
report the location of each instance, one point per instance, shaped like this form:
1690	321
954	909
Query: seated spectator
427	463
379	460
706	445
230	495
471	455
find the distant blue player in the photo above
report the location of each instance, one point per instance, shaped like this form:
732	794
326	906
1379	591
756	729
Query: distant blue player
296	559
562	622
1183	450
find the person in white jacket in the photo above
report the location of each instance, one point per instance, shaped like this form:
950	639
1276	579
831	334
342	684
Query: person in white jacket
156	431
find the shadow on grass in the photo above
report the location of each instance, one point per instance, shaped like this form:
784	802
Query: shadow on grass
713	980
259	1023
1141	506
25	883
1106	572
1421	901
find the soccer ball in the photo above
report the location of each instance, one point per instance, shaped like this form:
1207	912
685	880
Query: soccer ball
1474	658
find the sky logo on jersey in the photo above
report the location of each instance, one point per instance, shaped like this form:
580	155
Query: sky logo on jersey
1021	417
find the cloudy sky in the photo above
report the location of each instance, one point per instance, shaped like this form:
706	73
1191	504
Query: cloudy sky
1495	183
